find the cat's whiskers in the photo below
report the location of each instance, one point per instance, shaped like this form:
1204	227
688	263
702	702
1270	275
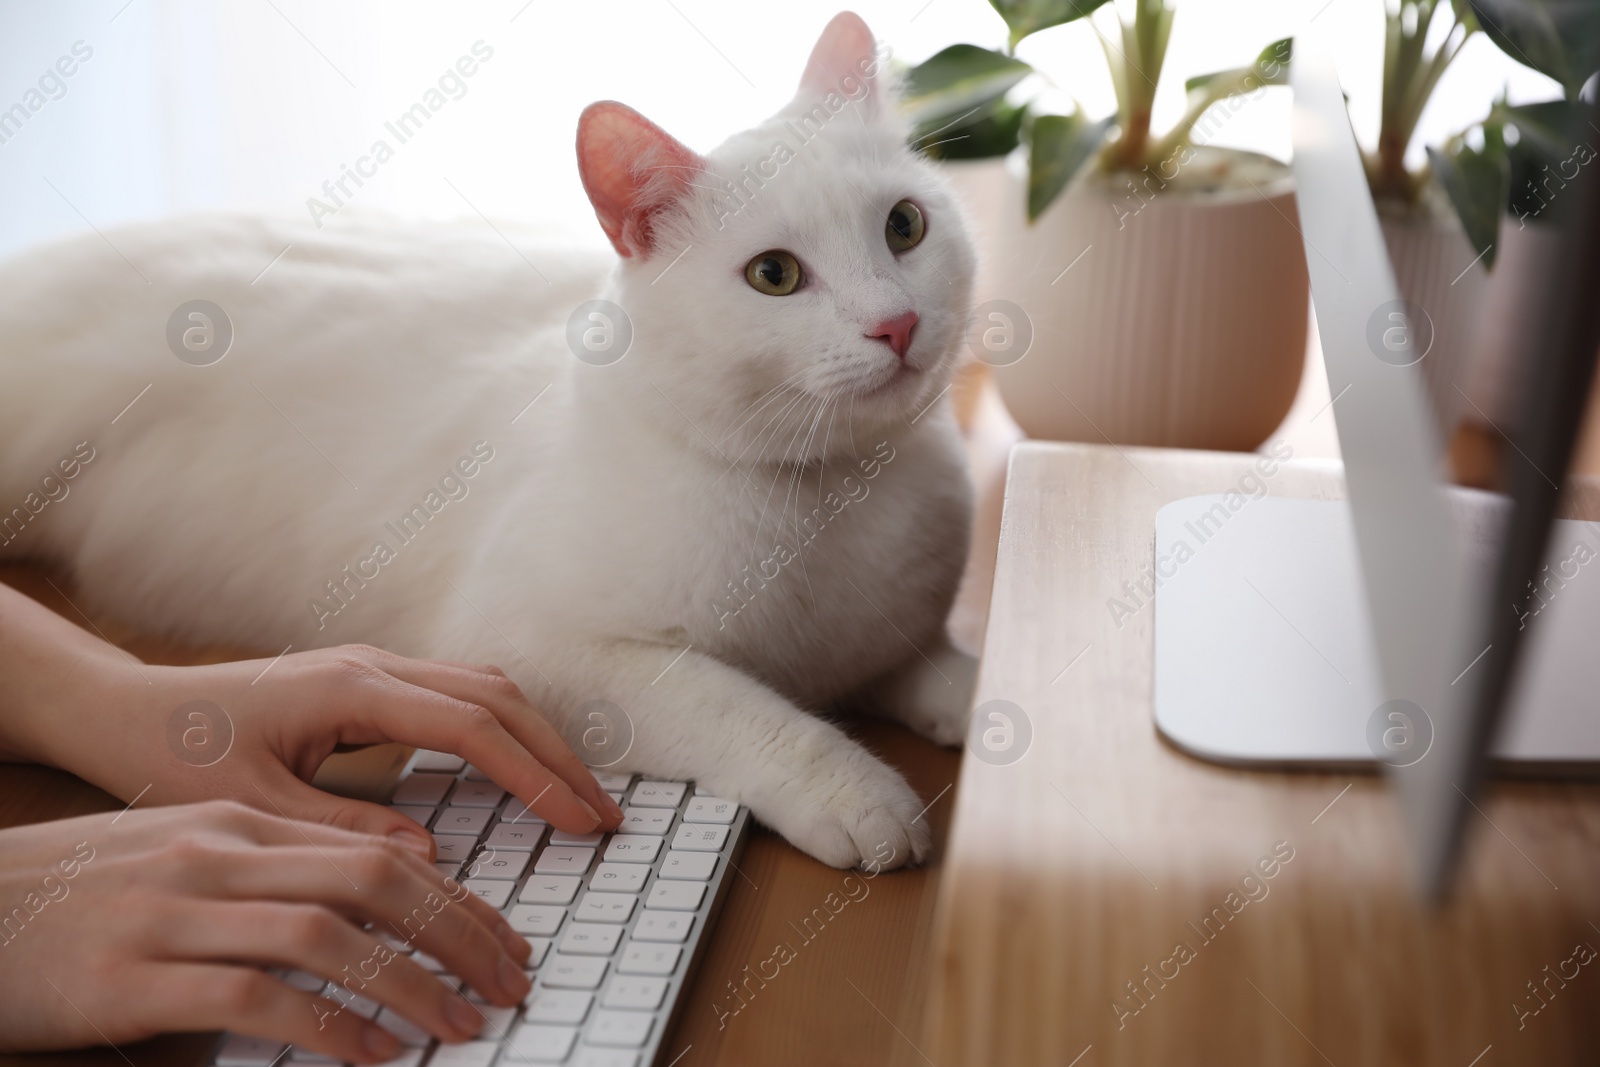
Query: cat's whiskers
780	469
771	422
799	395
798	484
769	393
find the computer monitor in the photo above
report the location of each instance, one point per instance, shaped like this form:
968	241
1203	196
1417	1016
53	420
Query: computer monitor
1378	630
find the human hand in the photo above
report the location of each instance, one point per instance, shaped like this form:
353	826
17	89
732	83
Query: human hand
77	703
117	927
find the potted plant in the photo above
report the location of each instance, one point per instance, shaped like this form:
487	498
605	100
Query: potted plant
1163	284
1506	176
1434	262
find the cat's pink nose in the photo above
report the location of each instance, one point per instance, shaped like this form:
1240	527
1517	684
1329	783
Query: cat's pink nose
896	332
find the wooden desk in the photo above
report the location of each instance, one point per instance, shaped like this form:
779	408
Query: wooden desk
843	1000
1071	871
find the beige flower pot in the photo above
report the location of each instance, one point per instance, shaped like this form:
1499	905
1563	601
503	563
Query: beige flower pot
1525	265
1174	318
1434	268
982	186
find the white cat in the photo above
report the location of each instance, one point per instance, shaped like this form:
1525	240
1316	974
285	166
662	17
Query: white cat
760	508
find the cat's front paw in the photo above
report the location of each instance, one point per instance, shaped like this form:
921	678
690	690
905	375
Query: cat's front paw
932	696
862	815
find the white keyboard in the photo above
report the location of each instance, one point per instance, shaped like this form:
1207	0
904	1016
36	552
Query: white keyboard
616	920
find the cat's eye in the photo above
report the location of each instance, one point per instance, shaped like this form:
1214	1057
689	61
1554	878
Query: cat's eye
905	226
775	273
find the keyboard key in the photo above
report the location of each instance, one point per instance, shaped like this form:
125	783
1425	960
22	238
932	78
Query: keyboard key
559	1006
607	907
620	1029
689	866
625	849
646	820
534	1043
424	789
561	837
699	837
541	947
589	1056
455	820
449	869
304	981
454	848
574	972
593	939
472	1054
642	958
711	809
497	1022
305	1055
612	782
362	1006
658	794
477	795
515	811
507	835
417	813
562	859
475	775
621	877
643	994
675	896
411	1057
426	760
550	889
409	1033
671	926
536	919
240	1050
616	798
499	865
497	894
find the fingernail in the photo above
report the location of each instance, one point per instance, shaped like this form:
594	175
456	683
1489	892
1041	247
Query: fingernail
513	981
587	810
415	843
379	1042
463	1016
612	807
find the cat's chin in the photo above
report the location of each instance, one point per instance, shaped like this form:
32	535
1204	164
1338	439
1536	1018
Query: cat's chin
901	384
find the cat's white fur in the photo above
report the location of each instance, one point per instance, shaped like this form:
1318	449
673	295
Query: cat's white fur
601	539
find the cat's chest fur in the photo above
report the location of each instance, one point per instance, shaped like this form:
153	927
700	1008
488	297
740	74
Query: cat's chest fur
815	579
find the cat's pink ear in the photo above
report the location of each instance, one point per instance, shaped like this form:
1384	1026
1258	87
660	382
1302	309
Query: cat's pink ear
844	61
633	170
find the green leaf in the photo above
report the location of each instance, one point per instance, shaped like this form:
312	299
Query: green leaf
995	134
1270	68
1477	184
1031	16
1549	125
963	79
1559	38
1060	145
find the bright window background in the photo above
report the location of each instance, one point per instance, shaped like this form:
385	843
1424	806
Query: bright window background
257	103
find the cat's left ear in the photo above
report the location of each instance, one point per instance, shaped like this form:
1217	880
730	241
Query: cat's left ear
633	171
845	62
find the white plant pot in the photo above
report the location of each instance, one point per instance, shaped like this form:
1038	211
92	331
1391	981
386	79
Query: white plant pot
982	186
1177	321
1525	264
1433	266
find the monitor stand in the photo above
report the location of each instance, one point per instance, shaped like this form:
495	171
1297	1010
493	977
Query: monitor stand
1263	651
